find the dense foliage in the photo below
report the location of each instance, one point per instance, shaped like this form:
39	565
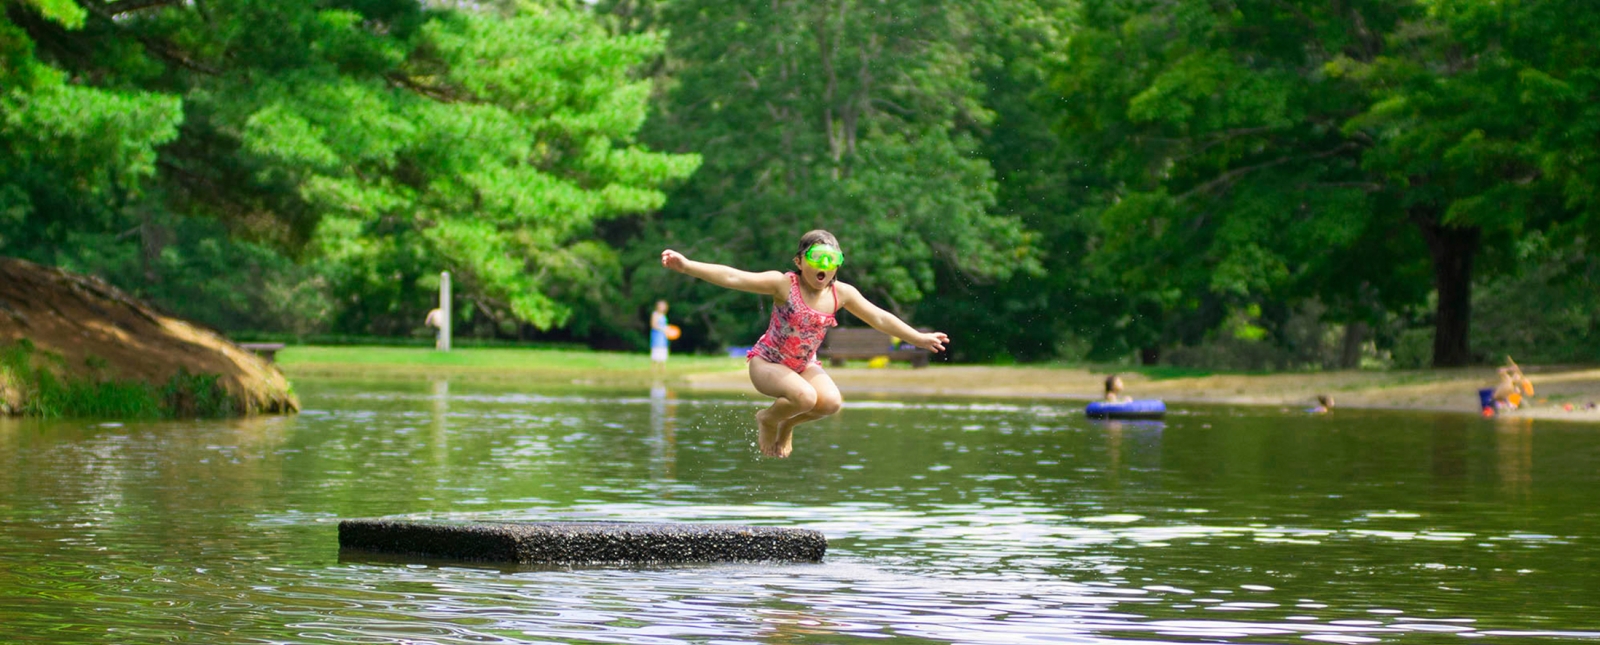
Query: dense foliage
859	118
377	143
1248	183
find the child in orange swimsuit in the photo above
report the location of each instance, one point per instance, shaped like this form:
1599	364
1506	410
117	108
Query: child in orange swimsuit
783	363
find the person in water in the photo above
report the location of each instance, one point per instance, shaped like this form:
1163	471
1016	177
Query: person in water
1114	390
783	362
1324	404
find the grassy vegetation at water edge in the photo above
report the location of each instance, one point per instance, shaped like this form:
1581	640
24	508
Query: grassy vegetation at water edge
400	361
45	386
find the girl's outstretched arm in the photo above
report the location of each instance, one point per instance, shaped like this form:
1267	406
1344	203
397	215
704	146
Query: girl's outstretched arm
771	283
851	299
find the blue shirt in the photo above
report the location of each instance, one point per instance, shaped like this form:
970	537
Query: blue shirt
658	333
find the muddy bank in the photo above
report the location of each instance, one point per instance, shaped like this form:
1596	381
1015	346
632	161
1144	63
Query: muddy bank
1454	390
85	331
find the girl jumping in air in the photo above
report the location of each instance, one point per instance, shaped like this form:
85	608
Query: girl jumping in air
783	363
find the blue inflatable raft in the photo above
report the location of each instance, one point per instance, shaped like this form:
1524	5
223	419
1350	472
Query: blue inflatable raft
1149	409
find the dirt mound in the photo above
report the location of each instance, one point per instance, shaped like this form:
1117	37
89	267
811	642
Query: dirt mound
99	332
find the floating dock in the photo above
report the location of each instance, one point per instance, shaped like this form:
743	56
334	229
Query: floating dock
581	542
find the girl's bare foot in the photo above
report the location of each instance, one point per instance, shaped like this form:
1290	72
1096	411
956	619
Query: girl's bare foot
768	435
785	442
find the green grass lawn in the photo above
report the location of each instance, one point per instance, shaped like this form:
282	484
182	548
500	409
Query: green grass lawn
563	363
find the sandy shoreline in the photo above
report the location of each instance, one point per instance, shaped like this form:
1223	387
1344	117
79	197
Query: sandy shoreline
1437	390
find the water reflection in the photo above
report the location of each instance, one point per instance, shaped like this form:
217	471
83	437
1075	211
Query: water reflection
1144	439
948	522
663	434
1450	449
1513	443
438	437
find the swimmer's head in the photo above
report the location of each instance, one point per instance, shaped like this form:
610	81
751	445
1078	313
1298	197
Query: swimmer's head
1113	384
819	258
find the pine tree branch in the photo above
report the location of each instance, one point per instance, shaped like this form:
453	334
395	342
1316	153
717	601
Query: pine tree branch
120	7
160	48
441	94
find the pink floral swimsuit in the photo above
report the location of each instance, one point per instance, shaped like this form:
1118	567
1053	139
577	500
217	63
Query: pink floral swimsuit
796	331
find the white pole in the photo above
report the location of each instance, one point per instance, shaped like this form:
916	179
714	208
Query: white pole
444	308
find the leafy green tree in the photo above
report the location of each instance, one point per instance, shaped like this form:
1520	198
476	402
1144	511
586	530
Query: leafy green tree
1090	178
1058	309
1226	179
383	141
64	142
851	116
1265	153
1480	127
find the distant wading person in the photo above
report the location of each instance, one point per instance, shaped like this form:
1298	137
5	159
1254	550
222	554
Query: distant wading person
783	363
1114	390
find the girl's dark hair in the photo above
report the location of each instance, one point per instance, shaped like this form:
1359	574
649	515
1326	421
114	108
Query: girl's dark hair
817	236
1111	382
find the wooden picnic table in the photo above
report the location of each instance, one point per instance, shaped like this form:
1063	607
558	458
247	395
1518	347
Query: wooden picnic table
865	343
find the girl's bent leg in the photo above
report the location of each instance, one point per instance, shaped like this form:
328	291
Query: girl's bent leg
828	402
793	396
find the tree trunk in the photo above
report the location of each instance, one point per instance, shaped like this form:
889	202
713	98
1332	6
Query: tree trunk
1355	334
1150	355
152	239
1452	249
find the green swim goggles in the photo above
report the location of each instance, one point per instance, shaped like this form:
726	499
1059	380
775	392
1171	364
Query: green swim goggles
824	257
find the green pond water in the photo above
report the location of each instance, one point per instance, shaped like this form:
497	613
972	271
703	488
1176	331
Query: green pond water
948	522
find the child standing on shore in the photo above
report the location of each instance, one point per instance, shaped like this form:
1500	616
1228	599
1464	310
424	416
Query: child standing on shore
783	362
658	337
